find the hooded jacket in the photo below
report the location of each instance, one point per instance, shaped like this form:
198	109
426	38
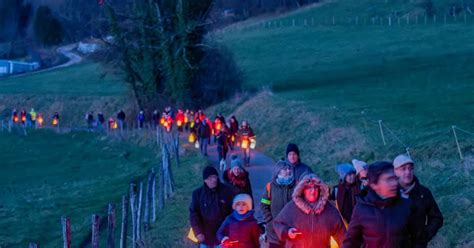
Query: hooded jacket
246	231
274	198
317	222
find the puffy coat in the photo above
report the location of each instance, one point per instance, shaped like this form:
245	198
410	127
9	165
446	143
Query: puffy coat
317	222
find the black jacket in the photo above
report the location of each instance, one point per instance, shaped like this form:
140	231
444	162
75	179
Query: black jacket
300	170
208	210
204	131
428	217
378	223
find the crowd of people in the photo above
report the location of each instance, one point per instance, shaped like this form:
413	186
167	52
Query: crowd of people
382	204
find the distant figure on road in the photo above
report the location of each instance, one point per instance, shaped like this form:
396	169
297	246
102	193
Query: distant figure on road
121	119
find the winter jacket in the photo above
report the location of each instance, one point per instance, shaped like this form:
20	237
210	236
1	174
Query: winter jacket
378	223
246	232
239	185
208	209
300	169
317	222
274	198
345	197
428	217
204	131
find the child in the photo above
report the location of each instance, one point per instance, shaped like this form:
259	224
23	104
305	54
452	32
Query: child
240	229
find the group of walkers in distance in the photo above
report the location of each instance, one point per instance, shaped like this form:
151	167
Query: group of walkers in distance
382	204
30	119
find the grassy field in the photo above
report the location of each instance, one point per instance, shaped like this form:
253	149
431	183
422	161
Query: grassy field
47	175
71	91
86	79
329	85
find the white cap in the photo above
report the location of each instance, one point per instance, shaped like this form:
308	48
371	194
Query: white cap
359	165
401	159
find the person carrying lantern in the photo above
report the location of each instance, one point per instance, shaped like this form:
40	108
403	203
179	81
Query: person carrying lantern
180	120
23	116
246	135
56	119
14	118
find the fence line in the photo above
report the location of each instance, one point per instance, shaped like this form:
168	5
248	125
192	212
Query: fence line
355	21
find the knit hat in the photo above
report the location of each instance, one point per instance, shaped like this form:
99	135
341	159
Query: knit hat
243	198
235	162
209	171
292	148
344	169
401	159
359	165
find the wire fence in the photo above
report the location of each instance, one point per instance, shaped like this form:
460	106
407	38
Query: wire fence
466	17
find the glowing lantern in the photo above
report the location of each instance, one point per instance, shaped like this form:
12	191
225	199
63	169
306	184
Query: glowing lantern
192	236
162	120
23	118
179	123
40	120
333	243
232	137
186	120
253	143
245	143
218	126
192	138
115	125
192	124
15	118
196	144
55	121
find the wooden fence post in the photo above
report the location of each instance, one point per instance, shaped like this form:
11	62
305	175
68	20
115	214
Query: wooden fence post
153	193
381	132
95	231
66	223
123	231
111	226
139	214
133	208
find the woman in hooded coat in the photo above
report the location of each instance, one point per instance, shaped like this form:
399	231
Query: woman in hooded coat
310	220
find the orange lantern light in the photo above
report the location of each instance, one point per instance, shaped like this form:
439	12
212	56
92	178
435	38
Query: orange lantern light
162	120
245	143
15	119
179	123
55	121
23	118
232	138
40	120
115	125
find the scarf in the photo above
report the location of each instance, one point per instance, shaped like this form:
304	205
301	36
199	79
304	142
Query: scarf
284	180
239	181
241	217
